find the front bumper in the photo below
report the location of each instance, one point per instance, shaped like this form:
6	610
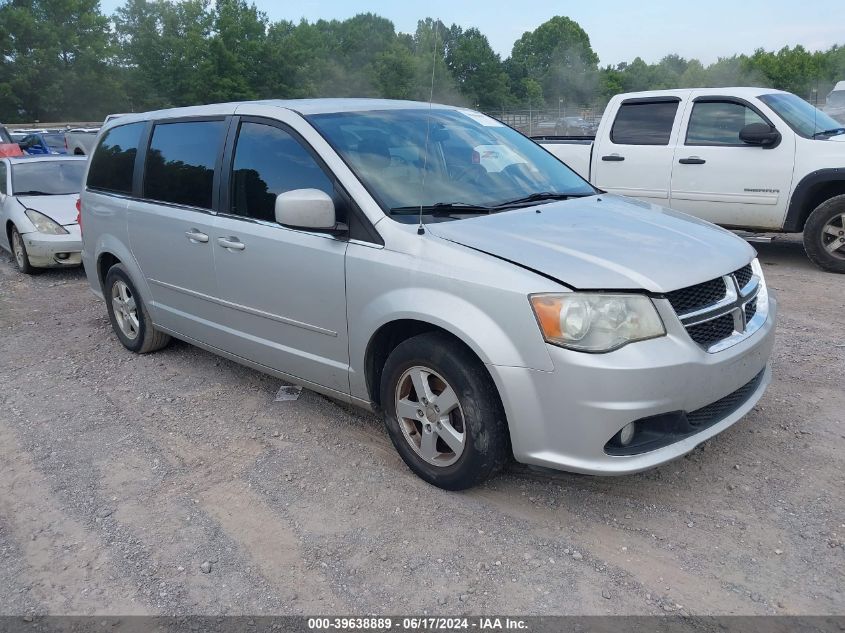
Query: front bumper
44	250
564	418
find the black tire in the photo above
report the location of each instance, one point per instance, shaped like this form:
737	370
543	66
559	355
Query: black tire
817	240
486	446
147	339
21	258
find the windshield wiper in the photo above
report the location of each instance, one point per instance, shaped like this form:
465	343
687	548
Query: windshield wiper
541	197
32	193
834	132
442	207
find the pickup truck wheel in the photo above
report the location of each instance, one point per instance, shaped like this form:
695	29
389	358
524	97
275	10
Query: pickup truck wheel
443	413
128	314
824	235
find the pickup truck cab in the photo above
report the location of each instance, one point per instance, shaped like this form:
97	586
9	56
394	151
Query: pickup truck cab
743	158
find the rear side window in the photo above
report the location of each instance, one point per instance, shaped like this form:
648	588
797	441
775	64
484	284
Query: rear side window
719	123
180	162
113	162
3	177
648	123
269	161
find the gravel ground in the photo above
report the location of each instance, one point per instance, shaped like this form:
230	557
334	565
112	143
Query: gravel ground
173	484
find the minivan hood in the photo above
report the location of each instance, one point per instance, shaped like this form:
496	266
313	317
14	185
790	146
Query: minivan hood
62	209
604	242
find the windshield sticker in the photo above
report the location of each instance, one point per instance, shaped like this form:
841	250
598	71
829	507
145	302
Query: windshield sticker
483	119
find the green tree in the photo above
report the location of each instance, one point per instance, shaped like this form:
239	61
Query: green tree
558	55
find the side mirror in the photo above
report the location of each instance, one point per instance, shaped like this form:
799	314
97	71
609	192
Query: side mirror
309	209
760	134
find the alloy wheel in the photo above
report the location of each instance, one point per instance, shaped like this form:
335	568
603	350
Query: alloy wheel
833	236
430	416
125	309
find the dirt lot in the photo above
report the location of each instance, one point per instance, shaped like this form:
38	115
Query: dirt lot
172	483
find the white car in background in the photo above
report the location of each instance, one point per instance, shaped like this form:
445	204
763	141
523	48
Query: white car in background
38	211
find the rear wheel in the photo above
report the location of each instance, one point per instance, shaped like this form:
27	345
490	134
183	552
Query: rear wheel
128	314
824	235
443	412
21	256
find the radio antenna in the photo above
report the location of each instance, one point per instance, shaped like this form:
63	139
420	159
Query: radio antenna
421	227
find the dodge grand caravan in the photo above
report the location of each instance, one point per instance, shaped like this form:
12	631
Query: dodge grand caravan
433	264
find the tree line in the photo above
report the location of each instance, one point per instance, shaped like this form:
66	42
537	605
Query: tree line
67	60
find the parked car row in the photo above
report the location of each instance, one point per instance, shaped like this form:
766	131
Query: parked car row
421	260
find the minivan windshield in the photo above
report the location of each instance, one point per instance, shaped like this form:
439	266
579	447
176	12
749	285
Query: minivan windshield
47	177
448	161
801	116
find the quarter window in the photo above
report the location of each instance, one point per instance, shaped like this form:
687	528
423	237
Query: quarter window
180	162
3	178
269	161
648	123
113	162
719	123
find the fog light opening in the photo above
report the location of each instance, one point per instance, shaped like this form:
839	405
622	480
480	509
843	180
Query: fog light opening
62	255
627	433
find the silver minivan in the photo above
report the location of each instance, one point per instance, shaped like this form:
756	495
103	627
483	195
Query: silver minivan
431	263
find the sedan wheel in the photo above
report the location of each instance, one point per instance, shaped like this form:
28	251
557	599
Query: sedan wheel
21	256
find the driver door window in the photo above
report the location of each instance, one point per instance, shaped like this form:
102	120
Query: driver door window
719	123
269	161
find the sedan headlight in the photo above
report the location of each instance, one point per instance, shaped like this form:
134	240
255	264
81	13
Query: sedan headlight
44	223
589	322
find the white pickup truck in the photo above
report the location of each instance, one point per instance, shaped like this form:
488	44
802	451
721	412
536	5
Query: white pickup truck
80	141
744	158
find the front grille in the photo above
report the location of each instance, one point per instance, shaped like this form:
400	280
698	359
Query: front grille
710	332
750	310
743	276
719	410
698	296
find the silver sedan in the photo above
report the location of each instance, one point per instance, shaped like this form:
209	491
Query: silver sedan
38	211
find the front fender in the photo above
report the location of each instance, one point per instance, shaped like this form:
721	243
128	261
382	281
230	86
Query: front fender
514	340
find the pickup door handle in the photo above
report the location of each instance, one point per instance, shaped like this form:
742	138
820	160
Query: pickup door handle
231	243
613	158
196	236
692	160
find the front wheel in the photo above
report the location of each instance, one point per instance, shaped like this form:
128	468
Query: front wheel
21	256
443	412
824	235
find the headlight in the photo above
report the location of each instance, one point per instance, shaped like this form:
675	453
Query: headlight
589	322
45	224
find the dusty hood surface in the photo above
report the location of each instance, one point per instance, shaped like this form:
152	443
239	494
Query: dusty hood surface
605	242
61	208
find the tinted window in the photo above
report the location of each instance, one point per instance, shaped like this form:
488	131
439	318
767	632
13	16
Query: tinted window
47	177
113	162
719	123
180	162
269	161
3	178
644	123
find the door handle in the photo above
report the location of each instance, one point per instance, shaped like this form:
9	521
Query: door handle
231	243
613	158
692	160
196	236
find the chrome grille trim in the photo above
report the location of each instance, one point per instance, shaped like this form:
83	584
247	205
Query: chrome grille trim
734	303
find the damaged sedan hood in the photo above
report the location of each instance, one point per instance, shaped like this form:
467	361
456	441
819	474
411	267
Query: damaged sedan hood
604	242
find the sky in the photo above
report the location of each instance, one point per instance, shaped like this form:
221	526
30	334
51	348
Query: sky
619	30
